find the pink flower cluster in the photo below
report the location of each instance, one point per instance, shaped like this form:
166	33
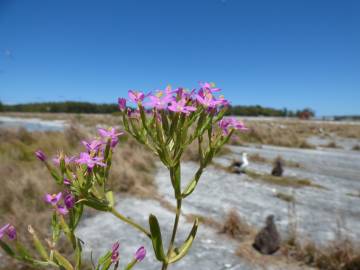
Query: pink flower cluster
178	100
54	200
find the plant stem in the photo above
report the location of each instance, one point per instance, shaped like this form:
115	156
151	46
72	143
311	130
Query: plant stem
130	222
176	223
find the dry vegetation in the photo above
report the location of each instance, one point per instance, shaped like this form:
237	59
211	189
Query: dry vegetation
293	133
260	159
287	181
25	180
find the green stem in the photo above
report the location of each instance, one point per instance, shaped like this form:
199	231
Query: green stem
172	240
130	222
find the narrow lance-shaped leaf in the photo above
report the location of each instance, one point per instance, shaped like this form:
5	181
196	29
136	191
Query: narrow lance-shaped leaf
7	249
192	184
110	197
37	244
156	239
185	247
63	261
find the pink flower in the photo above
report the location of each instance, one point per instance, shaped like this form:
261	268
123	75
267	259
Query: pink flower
8	230
226	124
53	199
136	96
159	100
140	254
115	252
206	98
90	161
180	106
92	146
122	104
110	134
69	201
67	160
62	210
67	182
209	86
40	155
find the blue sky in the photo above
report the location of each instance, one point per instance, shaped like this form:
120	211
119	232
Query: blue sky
274	53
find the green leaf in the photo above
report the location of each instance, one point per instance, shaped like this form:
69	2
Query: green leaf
156	239
55	228
104	258
7	249
78	251
110	197
37	244
63	261
185	247
175	173
192	184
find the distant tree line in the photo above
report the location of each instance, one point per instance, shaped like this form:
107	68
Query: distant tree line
63	107
258	110
87	107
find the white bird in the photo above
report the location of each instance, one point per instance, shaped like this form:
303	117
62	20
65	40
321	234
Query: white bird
244	162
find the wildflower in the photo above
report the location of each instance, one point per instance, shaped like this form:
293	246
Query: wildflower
90	161
92	146
40	155
11	232
115	252
67	160
122	104
209	86
8	230
53	199
207	99
110	134
67	182
136	96
140	254
230	123
62	210
180	106
69	201
159	101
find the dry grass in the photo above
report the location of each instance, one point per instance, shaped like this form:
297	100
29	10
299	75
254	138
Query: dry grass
236	227
293	133
25	180
337	255
257	158
287	181
331	145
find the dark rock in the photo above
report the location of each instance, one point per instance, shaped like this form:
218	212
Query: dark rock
267	241
278	167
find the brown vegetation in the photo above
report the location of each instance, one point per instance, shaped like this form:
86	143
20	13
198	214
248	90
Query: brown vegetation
25	180
293	133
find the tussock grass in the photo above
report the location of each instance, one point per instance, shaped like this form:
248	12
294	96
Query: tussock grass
236	227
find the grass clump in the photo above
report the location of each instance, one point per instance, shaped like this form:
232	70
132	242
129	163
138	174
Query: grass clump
356	147
286	181
234	226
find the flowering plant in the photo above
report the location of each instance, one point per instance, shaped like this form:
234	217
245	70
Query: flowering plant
167	122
